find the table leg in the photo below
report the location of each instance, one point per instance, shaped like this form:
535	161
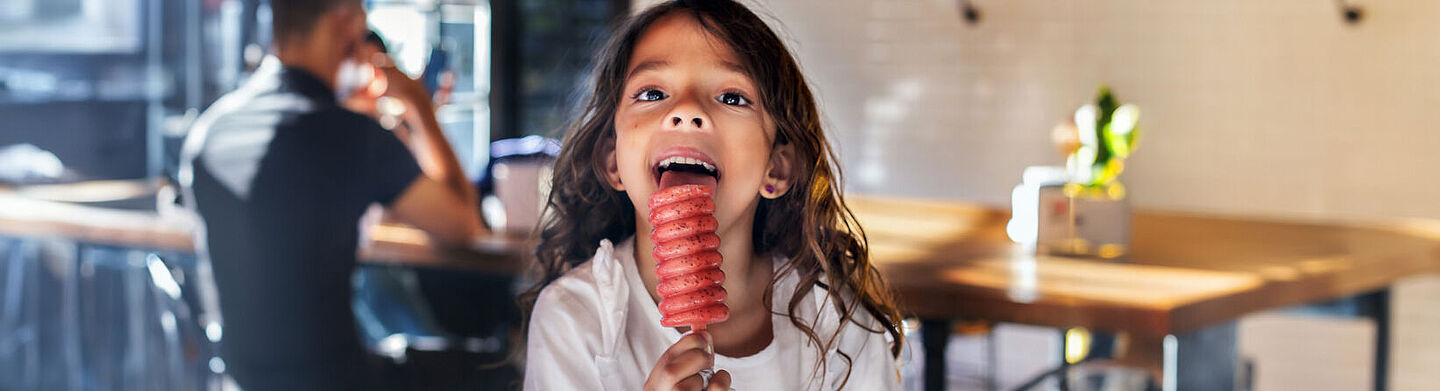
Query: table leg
992	377
935	334
1205	359
70	319
1376	305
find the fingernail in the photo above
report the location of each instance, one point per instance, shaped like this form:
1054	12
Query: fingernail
709	343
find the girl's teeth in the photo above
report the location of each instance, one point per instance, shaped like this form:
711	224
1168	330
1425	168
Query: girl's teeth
686	160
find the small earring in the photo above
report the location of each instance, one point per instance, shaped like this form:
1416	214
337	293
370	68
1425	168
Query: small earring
769	189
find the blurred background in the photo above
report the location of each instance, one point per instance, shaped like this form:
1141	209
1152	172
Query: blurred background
104	92
111	87
1288	110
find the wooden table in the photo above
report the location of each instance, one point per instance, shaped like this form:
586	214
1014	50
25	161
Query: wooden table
1185	274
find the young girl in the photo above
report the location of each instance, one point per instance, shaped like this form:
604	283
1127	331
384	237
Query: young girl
708	82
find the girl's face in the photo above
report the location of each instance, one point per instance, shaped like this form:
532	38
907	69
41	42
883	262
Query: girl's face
686	95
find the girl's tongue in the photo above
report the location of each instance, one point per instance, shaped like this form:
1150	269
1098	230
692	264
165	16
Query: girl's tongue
678	178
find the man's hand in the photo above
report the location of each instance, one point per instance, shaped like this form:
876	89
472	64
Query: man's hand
400	86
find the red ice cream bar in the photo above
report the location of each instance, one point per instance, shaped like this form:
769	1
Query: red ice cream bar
686	257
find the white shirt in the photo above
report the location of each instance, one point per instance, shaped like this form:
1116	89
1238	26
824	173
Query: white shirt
596	327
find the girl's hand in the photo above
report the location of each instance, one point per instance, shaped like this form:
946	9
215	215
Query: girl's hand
679	367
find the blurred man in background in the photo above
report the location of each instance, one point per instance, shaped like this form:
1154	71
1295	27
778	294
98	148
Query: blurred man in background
280	174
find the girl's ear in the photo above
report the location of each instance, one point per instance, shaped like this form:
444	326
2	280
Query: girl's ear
779	172
606	152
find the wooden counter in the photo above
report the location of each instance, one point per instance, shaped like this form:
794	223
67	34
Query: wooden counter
39	212
953	260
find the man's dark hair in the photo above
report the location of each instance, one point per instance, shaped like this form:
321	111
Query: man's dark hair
296	17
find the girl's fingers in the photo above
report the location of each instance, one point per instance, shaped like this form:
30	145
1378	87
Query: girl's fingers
692	340
692	383
719	382
681	361
686	364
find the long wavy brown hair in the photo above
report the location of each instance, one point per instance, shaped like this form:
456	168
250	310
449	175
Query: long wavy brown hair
810	225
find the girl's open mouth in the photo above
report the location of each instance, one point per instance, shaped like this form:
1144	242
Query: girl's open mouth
682	167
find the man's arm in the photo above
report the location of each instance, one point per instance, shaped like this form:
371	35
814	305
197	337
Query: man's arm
441	202
436	209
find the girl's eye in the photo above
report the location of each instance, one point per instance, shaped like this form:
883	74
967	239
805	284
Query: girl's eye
733	99
651	94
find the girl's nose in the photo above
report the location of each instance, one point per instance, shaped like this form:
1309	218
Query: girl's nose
676	121
688	114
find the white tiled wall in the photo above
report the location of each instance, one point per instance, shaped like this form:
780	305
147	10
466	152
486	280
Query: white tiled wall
1274	107
1310	353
